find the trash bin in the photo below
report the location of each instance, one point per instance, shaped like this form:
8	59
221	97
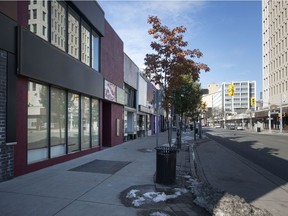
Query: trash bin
258	129
166	165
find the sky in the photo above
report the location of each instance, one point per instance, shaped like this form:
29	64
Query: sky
228	33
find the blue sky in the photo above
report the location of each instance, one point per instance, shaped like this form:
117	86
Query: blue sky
227	32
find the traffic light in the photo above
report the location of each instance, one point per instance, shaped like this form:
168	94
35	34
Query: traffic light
252	101
230	90
203	105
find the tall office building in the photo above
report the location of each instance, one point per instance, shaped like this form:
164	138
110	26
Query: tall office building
275	48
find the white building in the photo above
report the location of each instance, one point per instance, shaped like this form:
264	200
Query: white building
222	106
244	91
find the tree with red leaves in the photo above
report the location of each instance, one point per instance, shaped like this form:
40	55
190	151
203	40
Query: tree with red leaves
170	60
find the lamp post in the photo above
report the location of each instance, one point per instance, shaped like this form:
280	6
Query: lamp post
269	119
281	112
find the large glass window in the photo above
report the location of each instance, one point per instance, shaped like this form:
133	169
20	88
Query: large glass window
62	24
85	46
37	123
85	121
73	34
95	51
95	122
58	24
73	122
58	122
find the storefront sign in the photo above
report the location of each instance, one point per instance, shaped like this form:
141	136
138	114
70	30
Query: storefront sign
110	91
145	109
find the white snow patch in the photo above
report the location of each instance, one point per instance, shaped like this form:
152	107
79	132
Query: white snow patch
132	194
138	202
154	196
158	214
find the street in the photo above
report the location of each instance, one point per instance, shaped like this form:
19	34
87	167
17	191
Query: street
269	151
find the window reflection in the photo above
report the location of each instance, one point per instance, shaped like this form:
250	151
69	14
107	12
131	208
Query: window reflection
73	122
85	46
85	121
95	122
65	121
58	121
58	24
95	51
73	34
37	122
38	21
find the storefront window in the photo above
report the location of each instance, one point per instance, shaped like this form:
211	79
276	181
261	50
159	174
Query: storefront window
85	121
38	100
58	24
58	122
95	51
73	122
64	120
95	123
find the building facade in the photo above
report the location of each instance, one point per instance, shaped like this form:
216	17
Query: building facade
130	109
67	88
275	65
275	48
58	61
112	69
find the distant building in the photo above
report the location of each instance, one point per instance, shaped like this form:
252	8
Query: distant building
241	101
220	104
213	87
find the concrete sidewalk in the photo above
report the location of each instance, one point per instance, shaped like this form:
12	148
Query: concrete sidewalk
230	172
91	185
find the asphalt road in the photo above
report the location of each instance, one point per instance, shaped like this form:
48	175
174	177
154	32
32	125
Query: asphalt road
269	151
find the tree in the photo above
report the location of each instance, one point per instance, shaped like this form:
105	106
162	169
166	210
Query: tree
187	98
170	61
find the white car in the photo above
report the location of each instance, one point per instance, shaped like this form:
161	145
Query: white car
240	128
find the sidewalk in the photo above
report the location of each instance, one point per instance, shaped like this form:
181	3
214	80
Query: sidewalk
100	184
230	172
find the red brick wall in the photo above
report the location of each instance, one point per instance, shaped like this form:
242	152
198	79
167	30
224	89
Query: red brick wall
112	68
112	56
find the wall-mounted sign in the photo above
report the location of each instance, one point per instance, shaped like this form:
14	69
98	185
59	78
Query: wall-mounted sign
109	91
146	109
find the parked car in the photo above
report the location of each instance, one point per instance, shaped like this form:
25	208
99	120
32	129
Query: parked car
231	127
240	128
